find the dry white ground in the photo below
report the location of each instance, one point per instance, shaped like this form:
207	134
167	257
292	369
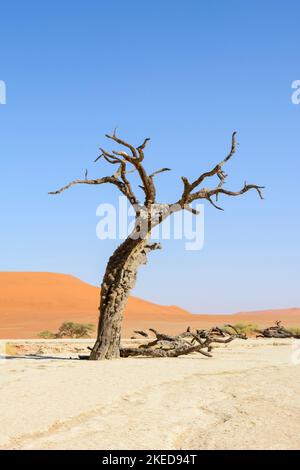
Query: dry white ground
246	397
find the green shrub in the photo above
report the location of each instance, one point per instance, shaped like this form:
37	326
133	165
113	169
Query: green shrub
75	330
69	329
294	329
247	328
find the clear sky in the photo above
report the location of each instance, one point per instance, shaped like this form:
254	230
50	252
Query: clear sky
186	73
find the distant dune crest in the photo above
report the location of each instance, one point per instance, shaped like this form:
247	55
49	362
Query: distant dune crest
31	302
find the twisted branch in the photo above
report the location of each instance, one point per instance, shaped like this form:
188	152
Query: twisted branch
191	191
105	179
189	196
173	346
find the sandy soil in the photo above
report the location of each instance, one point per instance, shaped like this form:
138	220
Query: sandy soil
246	397
33	302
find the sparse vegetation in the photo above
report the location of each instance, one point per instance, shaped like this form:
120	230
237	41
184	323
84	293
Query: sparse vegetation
294	330
75	330
247	328
47	334
69	330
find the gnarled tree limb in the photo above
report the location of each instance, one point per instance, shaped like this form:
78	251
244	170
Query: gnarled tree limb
173	346
277	331
189	196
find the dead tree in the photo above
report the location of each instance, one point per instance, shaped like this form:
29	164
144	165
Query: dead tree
277	331
122	267
186	343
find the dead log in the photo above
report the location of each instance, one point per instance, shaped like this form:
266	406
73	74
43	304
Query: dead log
160	352
185	343
277	331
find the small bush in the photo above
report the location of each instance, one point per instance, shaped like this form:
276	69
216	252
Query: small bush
294	329
69	329
47	334
75	330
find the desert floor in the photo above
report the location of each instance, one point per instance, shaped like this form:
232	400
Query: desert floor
246	397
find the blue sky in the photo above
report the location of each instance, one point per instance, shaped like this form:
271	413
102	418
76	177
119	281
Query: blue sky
185	73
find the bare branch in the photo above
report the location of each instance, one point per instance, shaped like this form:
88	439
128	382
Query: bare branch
245	188
153	246
141	148
143	145
217	170
159	171
142	333
106	155
125	144
119	178
213	204
136	157
191	192
189	196
123	186
192	210
105	179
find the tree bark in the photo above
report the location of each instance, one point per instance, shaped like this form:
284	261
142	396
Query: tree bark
119	279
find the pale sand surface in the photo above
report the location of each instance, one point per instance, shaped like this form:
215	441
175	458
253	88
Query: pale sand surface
246	397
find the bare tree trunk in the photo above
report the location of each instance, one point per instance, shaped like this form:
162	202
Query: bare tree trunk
123	265
119	279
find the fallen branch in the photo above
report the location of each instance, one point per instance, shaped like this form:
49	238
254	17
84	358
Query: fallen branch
277	331
164	345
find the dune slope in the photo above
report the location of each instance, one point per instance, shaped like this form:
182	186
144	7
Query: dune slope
31	302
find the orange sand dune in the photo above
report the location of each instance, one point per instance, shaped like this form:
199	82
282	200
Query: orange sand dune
33	302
